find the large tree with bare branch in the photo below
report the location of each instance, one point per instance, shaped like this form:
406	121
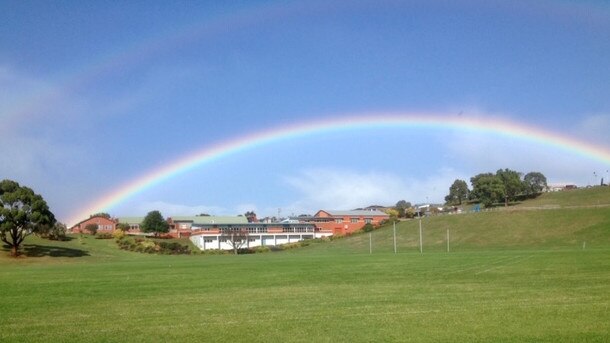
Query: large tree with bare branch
236	238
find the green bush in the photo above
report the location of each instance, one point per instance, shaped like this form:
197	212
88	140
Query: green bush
261	249
56	232
118	234
368	227
103	235
152	247
173	248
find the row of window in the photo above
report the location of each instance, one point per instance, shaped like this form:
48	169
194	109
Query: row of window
224	240
297	229
264	229
104	227
354	220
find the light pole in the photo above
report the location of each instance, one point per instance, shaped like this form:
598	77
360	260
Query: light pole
421	242
394	236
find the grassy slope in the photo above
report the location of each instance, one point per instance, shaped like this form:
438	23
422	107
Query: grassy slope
511	276
578	197
552	221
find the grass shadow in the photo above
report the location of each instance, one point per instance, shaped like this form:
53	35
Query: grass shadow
33	250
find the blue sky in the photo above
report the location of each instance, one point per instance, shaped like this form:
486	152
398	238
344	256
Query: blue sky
95	94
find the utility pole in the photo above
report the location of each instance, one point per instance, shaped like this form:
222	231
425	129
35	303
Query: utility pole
394	236
447	240
421	242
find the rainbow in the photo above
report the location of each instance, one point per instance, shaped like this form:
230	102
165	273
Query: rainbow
209	154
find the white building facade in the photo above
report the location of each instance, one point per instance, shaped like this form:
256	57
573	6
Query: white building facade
252	235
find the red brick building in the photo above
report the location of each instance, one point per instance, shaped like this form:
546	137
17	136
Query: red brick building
345	222
104	224
325	222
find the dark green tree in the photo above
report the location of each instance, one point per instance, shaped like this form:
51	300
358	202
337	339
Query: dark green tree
100	214
458	192
368	227
22	212
534	183
251	217
487	188
55	232
91	228
401	207
154	222
513	185
123	227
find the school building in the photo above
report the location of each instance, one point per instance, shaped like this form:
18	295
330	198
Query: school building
214	232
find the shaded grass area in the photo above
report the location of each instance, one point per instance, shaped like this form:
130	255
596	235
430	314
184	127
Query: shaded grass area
515	295
34	250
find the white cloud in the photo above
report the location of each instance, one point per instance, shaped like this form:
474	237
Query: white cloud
595	128
170	209
337	189
479	153
243	208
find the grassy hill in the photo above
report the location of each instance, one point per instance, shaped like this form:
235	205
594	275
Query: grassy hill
552	221
514	275
593	196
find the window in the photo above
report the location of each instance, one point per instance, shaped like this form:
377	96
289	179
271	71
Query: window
208	240
338	220
354	220
368	220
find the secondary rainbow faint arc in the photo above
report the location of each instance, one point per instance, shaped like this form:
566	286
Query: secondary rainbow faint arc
210	153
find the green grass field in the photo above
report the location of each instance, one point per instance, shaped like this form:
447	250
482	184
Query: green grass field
511	276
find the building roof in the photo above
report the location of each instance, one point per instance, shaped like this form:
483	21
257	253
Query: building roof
359	213
131	220
91	217
202	220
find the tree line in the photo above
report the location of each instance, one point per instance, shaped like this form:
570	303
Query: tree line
502	187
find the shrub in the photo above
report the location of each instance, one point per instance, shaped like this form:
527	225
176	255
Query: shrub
148	244
173	248
261	249
289	246
103	235
56	232
118	234
92	228
152	247
368	227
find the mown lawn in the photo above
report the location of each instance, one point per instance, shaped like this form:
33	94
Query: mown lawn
593	196
310	295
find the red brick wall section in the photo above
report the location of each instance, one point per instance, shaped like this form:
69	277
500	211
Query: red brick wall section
347	227
104	225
